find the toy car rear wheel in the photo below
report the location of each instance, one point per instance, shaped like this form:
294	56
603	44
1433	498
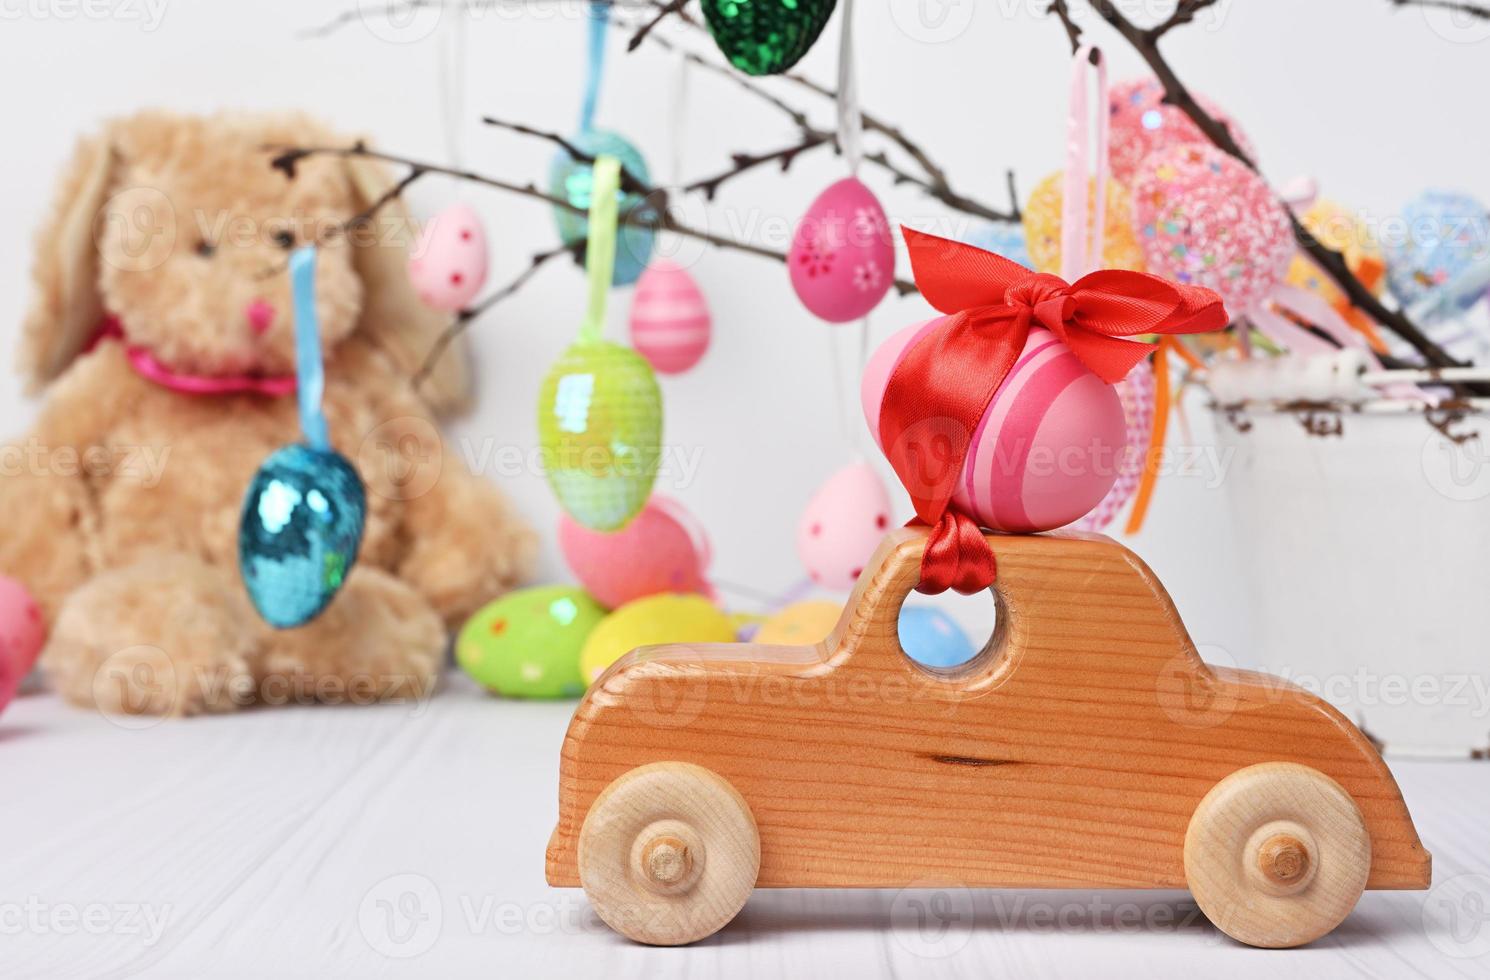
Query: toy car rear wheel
668	853
1277	854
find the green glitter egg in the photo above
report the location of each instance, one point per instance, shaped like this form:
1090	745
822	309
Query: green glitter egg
527	644
766	37
600	429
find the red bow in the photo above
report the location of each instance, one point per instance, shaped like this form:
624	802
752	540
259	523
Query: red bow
942	386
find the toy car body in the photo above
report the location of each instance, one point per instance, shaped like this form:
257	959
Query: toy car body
1088	746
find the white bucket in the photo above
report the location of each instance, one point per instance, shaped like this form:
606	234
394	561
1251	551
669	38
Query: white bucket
1365	545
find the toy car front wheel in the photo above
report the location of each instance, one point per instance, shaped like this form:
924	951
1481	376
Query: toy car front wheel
1277	854
668	853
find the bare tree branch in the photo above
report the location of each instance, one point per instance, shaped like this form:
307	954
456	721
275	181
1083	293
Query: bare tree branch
1468	9
642	214
668	9
743	162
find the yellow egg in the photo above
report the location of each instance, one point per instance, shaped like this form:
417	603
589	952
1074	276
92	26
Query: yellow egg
1042	226
1343	231
664	618
800	624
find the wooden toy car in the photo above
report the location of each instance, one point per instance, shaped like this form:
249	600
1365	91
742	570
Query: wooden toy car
1087	746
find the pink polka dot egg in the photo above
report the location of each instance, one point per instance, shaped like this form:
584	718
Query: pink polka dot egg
842	525
449	262
842	256
1048	447
669	319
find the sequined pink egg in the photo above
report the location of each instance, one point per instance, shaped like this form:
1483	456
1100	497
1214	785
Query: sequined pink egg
1204	218
842	257
1047	449
22	634
662	549
669	318
1142	122
842	525
448	264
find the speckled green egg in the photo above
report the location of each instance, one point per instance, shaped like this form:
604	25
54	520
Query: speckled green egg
600	428
527	643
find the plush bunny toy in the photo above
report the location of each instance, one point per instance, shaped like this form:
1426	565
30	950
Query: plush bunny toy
162	332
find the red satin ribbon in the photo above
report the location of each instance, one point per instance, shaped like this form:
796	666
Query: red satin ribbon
942	386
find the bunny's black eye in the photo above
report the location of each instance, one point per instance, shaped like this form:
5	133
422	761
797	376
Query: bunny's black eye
206	249
284	239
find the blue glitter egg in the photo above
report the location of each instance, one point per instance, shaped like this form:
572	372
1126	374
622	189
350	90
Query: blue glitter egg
932	638
1002	238
1443	235
299	534
570	179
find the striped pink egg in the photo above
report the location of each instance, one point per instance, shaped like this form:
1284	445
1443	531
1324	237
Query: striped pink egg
669	318
1047	449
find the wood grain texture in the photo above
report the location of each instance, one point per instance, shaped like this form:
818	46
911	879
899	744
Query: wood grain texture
1072	753
1277	855
668	854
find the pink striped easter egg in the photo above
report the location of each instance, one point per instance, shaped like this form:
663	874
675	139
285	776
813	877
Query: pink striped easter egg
1047	449
670	321
842	257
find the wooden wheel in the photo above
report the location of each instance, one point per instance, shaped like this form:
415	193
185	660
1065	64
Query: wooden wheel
1277	854
668	853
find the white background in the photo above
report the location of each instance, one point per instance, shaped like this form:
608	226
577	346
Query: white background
1374	102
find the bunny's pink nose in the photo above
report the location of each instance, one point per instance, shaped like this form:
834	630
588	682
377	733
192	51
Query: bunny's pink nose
260	315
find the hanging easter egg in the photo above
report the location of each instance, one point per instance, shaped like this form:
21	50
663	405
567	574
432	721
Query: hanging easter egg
1445	235
448	264
932	638
1046	449
1002	238
1142	122
1136	392
842	259
669	318
1043	226
600	429
1338	228
570	179
1204	218
649	621
800	624
299	533
22	634
662	549
842	525
765	37
527	643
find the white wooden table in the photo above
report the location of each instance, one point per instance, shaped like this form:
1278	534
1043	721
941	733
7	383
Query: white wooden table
408	841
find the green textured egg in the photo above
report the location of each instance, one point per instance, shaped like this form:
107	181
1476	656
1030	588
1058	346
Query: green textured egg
527	643
600	428
764	37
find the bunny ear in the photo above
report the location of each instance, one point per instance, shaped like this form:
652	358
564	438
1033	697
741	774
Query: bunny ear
66	309
394	319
